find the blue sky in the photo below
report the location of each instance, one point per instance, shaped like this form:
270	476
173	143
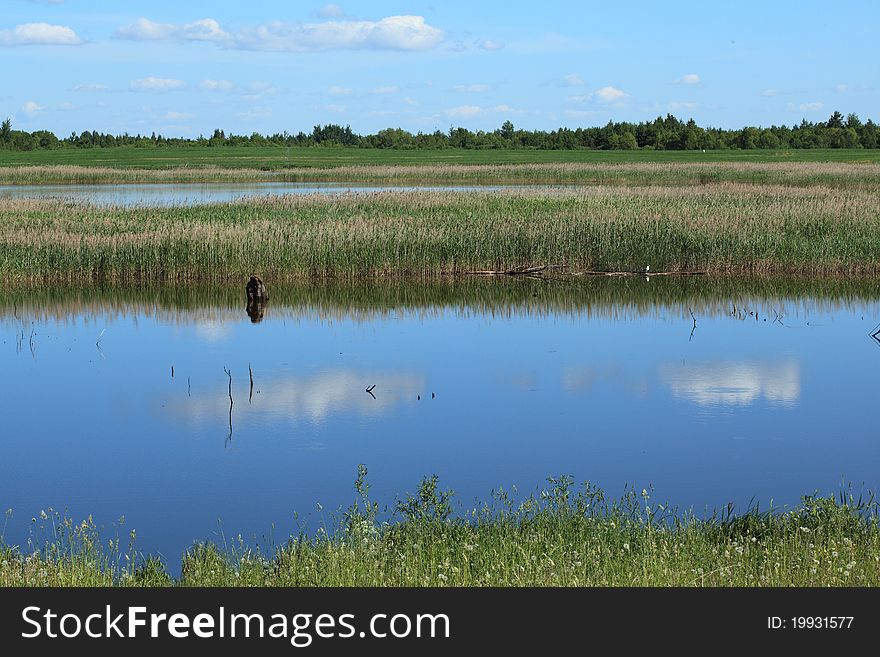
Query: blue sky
185	68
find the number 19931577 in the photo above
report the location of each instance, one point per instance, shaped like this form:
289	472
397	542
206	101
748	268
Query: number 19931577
810	623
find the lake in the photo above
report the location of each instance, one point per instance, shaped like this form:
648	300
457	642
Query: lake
165	194
710	390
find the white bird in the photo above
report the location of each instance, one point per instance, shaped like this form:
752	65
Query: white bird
647	268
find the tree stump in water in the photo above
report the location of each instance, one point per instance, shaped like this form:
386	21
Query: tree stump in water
256	290
256	299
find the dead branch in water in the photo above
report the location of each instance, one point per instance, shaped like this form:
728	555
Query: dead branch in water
229	374
640	273
251	395
516	271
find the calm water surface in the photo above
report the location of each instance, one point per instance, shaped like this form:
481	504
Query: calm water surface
200	193
485	384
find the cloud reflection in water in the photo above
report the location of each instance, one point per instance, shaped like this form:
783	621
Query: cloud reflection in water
313	398
726	384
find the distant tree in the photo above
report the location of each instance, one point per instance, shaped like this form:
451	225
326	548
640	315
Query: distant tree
836	121
6	131
506	131
768	139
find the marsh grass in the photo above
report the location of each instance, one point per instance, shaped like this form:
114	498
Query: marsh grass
562	535
721	228
846	175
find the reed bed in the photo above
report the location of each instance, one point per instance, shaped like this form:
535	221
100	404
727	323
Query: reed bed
721	228
562	535
863	175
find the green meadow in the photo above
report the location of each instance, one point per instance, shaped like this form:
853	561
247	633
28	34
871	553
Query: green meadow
280	158
562	535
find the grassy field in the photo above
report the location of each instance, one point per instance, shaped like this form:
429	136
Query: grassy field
724	227
562	536
624	174
276	157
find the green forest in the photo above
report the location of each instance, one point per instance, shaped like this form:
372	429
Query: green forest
663	133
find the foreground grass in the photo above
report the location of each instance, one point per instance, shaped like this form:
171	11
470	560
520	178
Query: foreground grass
560	537
716	227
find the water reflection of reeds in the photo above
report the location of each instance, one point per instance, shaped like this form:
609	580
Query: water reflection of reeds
607	298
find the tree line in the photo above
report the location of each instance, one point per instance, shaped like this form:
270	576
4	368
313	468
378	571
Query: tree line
663	133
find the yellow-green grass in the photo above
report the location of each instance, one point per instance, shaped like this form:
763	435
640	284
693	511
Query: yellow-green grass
676	172
720	228
282	157
561	536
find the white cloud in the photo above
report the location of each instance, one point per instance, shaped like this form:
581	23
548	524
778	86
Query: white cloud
256	113
682	105
91	87
610	94
384	90
155	84
143	29
66	106
472	88
580	114
216	85
204	29
35	34
259	89
810	107
580	98
770	92
178	116
412	102
31	107
336	90
489	44
330	11
841	88
390	33
573	80
688	78
464	111
336	109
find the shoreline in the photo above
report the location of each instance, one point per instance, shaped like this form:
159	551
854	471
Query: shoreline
565	535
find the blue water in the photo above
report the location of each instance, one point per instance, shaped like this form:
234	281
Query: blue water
163	194
615	393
